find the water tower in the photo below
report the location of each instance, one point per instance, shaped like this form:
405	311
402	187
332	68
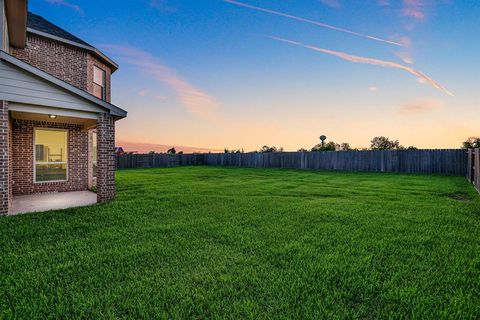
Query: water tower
322	139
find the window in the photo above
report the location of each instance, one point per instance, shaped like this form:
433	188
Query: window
99	83
94	154
50	155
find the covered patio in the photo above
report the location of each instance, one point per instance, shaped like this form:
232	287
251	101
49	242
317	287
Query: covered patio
51	201
56	142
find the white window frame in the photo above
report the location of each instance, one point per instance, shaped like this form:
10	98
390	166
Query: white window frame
35	155
103	85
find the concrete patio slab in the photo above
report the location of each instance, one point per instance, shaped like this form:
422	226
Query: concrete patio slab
51	201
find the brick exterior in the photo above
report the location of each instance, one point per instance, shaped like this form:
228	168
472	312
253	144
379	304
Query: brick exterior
23	158
68	63
62	61
4	163
106	158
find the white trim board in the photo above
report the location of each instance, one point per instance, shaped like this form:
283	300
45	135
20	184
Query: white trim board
28	108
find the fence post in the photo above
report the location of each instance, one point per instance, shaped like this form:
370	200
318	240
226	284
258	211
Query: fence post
469	165
476	170
382	161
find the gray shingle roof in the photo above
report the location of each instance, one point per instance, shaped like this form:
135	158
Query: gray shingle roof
40	24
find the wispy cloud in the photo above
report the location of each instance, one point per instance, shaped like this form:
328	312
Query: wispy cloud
420	106
373	89
67	4
146	93
162	5
332	3
403	40
371	61
405	56
143	93
320	24
414	9
195	100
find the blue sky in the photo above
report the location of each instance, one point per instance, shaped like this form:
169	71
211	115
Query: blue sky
211	76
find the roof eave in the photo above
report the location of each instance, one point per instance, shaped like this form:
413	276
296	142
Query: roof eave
115	111
16	11
113	65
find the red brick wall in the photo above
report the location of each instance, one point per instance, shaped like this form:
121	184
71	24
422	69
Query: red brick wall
4	166
23	140
71	64
62	61
105	158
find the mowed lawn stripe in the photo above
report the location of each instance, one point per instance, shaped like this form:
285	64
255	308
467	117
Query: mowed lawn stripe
210	242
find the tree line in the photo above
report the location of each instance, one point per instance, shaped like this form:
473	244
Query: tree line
377	143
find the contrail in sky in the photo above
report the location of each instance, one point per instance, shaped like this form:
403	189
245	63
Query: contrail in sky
372	61
323	25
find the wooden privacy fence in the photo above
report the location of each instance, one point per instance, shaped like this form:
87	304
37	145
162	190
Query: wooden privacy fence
453	162
157	160
473	167
438	161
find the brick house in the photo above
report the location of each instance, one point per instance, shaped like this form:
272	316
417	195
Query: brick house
57	125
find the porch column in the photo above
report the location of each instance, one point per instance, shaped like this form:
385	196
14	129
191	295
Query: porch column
4	159
105	158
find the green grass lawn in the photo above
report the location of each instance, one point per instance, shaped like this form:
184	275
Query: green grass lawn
207	242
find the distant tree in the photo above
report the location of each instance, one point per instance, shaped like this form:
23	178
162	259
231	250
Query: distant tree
266	149
302	150
471	143
152	152
345	146
180	152
412	148
233	151
384	143
171	151
329	146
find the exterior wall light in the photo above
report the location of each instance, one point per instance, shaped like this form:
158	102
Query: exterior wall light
52	116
